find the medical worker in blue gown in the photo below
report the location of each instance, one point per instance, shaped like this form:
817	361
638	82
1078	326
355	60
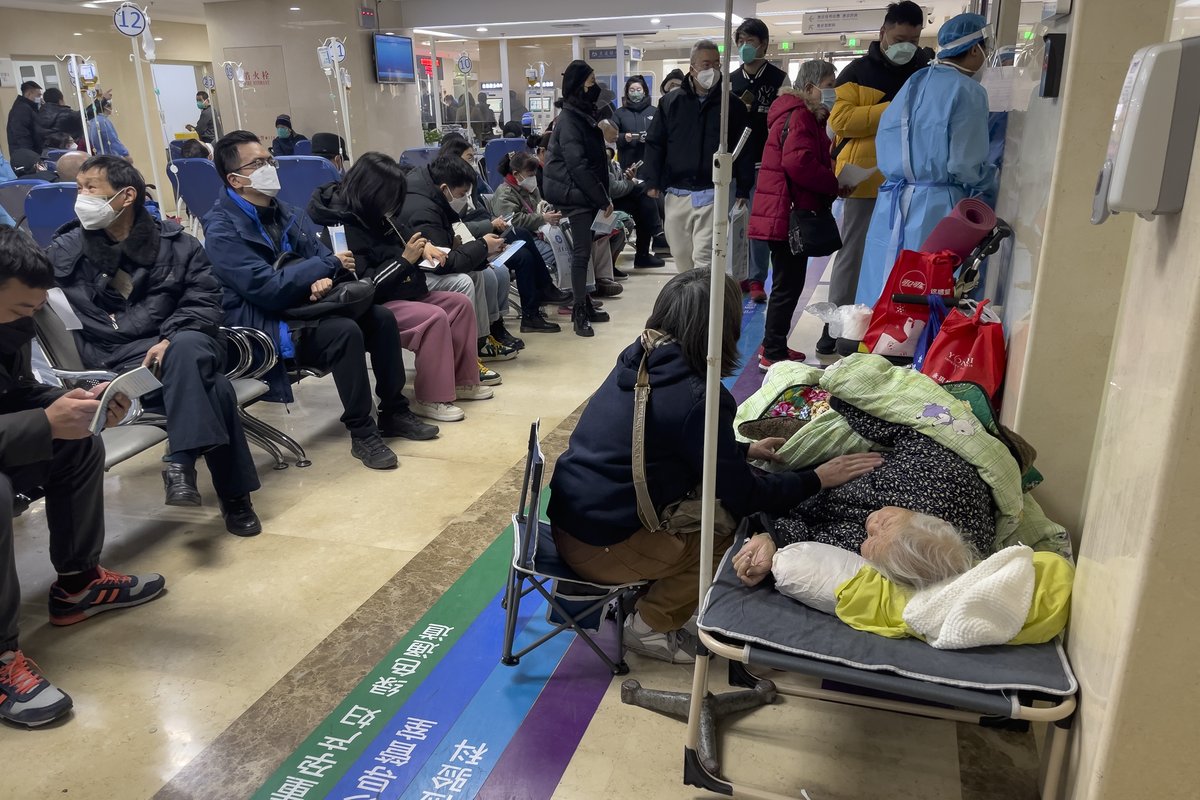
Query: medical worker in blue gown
933	150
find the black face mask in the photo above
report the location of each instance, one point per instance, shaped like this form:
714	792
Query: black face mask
592	93
15	335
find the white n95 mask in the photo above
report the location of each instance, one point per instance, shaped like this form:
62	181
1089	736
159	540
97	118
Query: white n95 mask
706	78
265	179
94	212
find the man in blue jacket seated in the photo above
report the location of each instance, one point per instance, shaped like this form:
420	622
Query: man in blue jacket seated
145	296
46	443
268	257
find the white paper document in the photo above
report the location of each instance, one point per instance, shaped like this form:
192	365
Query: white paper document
852	175
604	224
132	384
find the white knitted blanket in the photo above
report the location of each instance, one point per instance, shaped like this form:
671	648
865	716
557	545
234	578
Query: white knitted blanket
986	605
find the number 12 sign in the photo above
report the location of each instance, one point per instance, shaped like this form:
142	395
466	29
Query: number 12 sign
129	20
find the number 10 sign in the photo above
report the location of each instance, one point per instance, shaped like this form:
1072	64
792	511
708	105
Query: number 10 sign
130	20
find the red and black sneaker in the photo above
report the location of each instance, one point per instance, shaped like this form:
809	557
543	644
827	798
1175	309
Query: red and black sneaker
110	591
26	697
765	363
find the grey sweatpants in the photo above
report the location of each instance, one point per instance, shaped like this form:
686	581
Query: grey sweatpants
856	219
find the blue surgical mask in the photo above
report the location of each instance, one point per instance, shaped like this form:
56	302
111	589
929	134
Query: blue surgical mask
282	133
828	98
747	53
901	53
200	104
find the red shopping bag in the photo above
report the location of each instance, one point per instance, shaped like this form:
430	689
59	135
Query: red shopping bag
896	327
969	348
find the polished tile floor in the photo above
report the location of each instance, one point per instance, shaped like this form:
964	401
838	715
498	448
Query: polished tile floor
155	687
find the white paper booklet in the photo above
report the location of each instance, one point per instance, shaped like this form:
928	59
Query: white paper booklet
132	384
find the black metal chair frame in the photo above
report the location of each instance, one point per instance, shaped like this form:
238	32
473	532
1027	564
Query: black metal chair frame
556	583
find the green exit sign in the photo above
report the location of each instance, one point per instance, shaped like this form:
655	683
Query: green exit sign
785	45
1028	35
720	48
852	42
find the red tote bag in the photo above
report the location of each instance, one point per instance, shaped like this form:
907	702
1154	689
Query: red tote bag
896	327
969	348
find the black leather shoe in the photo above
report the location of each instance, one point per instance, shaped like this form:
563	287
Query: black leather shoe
240	519
580	322
553	294
408	426
647	261
180	484
620	275
536	323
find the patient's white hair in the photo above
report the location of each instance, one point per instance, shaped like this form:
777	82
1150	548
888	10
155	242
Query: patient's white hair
929	550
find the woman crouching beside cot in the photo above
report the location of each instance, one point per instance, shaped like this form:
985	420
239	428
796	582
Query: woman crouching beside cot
622	501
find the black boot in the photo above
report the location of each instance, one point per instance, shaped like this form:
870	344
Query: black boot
594	314
579	319
826	345
553	294
180	484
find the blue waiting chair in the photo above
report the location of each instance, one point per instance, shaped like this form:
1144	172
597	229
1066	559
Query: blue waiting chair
302	148
47	208
12	198
493	153
53	155
299	177
418	156
196	182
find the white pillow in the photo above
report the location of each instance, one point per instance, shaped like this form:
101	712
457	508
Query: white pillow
811	572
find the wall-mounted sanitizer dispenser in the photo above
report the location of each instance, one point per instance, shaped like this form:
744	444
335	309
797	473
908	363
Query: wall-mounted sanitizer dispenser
1153	134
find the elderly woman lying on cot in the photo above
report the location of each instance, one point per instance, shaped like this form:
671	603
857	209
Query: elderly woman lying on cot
924	515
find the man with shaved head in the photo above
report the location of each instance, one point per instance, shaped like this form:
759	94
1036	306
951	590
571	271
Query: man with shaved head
68	165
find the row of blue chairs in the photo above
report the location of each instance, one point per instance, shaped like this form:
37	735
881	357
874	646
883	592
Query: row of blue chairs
196	182
39	206
44	207
493	152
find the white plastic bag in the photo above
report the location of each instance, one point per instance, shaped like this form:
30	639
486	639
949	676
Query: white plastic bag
737	258
845	322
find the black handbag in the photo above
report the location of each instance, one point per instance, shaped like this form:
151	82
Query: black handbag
811	234
348	297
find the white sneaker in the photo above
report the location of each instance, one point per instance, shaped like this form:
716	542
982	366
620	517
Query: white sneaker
673	647
442	412
474	392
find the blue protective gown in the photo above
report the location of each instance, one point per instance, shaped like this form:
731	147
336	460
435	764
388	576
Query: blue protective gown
932	148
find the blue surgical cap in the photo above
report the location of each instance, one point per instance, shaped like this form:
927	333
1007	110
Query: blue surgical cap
960	34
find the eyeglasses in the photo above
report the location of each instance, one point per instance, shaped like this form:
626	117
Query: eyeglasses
258	163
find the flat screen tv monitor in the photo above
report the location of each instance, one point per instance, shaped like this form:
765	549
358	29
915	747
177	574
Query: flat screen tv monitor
394	59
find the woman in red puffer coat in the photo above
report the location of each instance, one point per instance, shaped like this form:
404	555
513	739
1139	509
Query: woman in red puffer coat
797	172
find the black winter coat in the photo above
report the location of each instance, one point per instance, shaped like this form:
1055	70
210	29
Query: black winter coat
24	126
685	135
372	252
426	210
24	427
173	288
576	170
633	118
61	119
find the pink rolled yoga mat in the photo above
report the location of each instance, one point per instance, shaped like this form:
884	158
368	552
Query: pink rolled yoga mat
963	229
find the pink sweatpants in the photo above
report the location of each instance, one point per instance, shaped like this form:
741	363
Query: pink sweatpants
440	329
